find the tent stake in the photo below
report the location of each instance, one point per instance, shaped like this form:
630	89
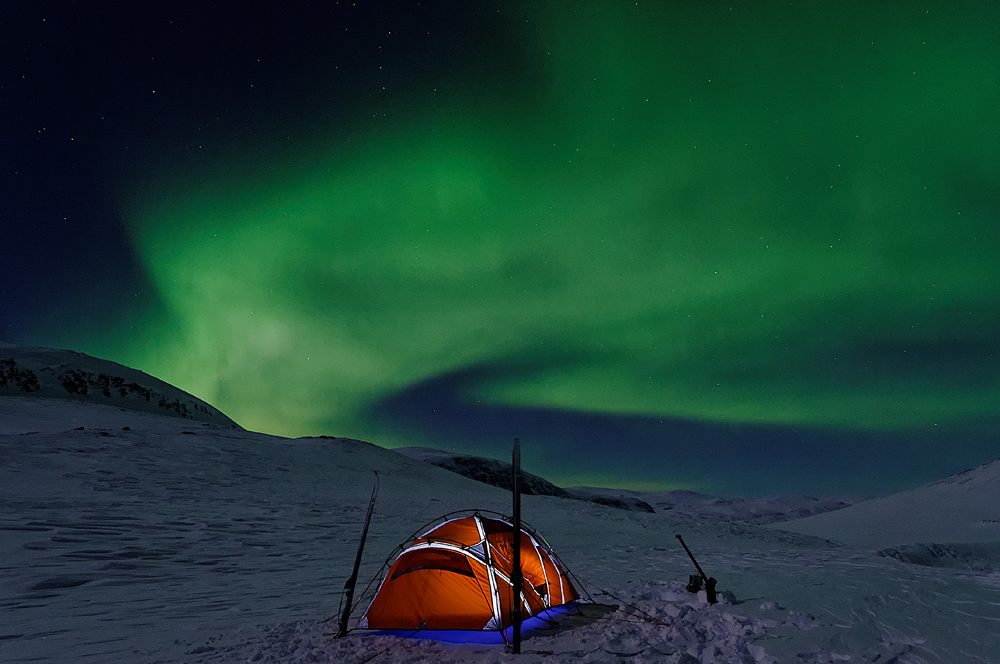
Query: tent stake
517	579
351	582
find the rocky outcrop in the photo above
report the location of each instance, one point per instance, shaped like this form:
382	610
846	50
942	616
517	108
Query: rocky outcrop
64	374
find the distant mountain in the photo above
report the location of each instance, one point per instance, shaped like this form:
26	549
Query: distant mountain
962	508
500	474
488	471
723	509
65	374
755	511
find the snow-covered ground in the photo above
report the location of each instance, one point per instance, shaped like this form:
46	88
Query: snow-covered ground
961	508
135	537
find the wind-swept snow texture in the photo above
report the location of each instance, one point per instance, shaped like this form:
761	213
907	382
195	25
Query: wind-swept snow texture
132	537
65	374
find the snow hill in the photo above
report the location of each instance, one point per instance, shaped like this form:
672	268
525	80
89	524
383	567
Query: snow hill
489	471
500	474
137	537
65	374
729	509
962	508
732	509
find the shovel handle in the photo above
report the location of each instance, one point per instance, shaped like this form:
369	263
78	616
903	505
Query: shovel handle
691	556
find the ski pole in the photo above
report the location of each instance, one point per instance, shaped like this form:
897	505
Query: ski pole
349	586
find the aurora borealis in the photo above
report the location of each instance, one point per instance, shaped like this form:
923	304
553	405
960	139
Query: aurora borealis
739	247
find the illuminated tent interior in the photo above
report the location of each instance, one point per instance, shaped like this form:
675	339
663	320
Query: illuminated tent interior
457	576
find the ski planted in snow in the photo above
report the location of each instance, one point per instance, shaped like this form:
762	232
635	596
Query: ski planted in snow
353	580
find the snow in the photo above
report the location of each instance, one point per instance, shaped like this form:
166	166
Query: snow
959	509
727	509
149	538
489	471
66	374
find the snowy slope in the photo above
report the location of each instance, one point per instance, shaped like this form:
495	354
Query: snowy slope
489	471
724	509
65	374
126	537
145	538
961	508
499	474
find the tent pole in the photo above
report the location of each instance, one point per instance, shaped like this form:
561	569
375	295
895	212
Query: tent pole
517	579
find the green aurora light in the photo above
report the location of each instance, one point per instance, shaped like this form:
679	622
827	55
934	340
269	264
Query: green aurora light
773	213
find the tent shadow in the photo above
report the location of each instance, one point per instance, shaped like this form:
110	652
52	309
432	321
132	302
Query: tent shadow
576	615
556	620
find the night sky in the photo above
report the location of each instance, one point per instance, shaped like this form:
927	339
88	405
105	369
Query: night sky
746	248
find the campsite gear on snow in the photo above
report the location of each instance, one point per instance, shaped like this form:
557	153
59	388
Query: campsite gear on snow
709	582
353	580
457	576
694	583
516	577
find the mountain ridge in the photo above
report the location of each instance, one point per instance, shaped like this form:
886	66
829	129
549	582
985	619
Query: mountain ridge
71	375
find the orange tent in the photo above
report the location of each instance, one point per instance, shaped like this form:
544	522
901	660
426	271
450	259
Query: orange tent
457	576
